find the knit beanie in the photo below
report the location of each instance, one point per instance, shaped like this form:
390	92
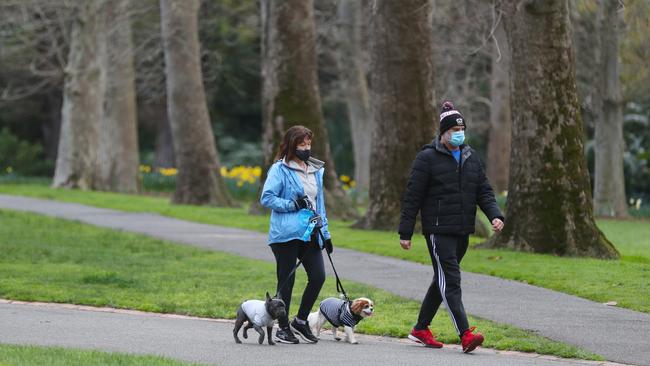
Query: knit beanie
450	117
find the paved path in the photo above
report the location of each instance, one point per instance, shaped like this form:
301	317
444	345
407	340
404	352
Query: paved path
618	334
211	342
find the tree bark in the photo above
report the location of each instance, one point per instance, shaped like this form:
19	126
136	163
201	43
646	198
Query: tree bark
273	127
549	199
402	88
198	180
498	150
82	103
51	126
152	117
118	156
355	86
290	94
164	144
609	183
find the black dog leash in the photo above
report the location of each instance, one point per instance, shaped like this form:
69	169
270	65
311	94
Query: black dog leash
339	285
284	283
288	278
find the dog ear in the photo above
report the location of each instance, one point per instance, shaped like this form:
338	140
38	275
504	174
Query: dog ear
357	306
268	297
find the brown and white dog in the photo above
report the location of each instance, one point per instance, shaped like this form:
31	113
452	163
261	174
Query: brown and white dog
341	313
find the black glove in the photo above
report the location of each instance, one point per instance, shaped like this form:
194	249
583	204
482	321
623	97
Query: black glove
328	246
302	202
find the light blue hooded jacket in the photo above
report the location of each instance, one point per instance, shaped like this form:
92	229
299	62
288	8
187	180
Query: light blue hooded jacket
281	188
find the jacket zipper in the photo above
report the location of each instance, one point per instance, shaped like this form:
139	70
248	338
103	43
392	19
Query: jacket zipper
438	215
459	169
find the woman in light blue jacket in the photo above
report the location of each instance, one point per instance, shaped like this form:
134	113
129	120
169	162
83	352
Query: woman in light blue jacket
293	190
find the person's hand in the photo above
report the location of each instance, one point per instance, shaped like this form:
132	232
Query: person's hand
406	244
302	202
328	246
497	225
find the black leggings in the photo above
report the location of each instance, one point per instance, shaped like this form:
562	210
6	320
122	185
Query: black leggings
446	253
286	256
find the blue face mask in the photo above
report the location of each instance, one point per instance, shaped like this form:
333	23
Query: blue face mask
457	138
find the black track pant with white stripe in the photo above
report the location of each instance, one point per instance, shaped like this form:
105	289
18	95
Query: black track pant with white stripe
446	253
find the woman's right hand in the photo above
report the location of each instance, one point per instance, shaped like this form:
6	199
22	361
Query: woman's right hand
302	202
406	244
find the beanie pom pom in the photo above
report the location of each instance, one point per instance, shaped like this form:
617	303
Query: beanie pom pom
447	106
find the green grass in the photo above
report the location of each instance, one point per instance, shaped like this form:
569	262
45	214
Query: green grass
624	281
54	260
54	356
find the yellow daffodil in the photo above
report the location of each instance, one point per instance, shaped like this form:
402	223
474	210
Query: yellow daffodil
243	174
168	172
257	171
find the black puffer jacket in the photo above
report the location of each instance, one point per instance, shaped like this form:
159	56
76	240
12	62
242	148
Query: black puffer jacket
446	193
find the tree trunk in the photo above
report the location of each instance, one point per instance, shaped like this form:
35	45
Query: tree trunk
164	144
273	127
355	87
403	102
609	183
152	117
198	180
498	151
549	199
82	103
290	94
118	155
51	126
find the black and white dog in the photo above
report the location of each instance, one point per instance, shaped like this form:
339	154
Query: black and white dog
341	313
259	314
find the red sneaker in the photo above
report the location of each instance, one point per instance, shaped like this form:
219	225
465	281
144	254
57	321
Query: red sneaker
425	337
470	340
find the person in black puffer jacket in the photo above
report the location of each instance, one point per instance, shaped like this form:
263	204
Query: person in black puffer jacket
446	183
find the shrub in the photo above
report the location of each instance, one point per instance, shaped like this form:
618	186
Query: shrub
21	157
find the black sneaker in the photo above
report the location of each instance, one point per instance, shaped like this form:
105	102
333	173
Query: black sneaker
285	335
303	331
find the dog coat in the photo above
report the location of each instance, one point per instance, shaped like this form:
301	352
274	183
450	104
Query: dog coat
338	313
256	312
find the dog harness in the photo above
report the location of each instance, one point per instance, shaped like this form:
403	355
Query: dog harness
256	311
338	312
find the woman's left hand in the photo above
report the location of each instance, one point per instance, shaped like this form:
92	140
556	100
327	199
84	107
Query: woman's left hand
328	246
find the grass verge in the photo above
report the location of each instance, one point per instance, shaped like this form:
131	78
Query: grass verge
54	260
599	280
55	356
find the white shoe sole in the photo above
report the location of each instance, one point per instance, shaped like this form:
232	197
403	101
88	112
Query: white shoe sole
280	340
414	339
296	332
